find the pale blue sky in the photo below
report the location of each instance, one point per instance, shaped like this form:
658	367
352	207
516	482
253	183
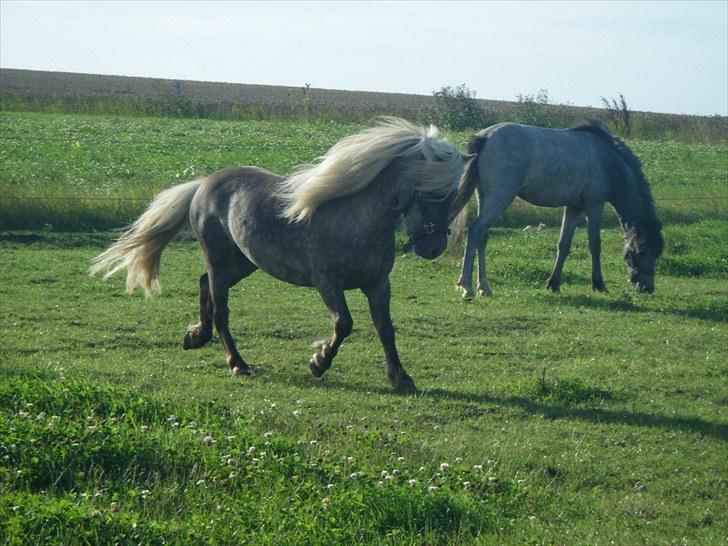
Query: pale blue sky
663	56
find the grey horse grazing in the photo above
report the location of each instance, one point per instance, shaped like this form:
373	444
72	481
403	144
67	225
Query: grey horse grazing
579	168
330	225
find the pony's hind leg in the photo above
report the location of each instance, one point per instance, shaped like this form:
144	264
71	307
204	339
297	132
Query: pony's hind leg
335	301
201	333
226	265
379	296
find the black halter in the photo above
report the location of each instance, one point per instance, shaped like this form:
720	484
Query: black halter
428	229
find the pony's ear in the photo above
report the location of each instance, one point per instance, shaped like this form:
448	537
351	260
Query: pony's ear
468	157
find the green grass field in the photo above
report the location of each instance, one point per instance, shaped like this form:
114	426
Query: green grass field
576	418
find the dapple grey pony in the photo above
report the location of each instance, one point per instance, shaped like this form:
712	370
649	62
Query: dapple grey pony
579	168
330	225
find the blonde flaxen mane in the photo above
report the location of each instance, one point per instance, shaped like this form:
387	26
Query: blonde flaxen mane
432	165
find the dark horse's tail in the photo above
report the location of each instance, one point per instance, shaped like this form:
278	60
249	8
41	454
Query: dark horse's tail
468	183
139	249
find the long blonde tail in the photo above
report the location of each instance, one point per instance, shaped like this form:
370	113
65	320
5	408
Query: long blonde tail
139	249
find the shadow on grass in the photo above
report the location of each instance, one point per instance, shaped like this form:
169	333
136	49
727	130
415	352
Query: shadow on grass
562	411
714	314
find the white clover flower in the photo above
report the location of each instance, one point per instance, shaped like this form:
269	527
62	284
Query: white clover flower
209	440
325	502
114	506
233	475
478	467
384	474
296	413
251	450
433	488
268	435
330	486
143	428
231	461
353	475
444	467
412	483
400	459
458	459
200	482
467	485
395	472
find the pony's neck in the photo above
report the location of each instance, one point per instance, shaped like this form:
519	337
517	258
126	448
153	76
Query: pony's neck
633	204
370	212
629	206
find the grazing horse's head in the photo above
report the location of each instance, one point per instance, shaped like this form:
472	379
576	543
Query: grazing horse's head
426	222
640	256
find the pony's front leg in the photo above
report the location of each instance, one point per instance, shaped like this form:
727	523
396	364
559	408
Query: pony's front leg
465	282
568	226
378	296
594	223
335	301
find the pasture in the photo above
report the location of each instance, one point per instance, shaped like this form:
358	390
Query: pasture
576	418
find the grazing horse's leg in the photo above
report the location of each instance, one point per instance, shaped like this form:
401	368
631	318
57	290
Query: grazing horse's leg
594	222
465	282
490	207
201	333
568	226
335	301
378	296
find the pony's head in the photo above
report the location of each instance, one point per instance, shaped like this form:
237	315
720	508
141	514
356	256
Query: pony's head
426	222
425	172
640	255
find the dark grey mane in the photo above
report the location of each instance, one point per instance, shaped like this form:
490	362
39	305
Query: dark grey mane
649	221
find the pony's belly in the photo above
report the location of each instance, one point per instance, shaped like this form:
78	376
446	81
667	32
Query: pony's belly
551	198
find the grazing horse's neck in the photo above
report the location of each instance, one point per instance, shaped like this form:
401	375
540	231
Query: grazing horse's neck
633	205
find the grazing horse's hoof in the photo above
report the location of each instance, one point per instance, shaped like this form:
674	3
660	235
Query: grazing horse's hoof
465	292
241	370
318	364
485	291
599	286
552	286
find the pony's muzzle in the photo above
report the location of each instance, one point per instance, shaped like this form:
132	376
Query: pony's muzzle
644	288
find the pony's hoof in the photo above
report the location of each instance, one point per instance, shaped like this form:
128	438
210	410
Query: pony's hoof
487	292
466	293
318	365
405	385
241	370
194	340
553	287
